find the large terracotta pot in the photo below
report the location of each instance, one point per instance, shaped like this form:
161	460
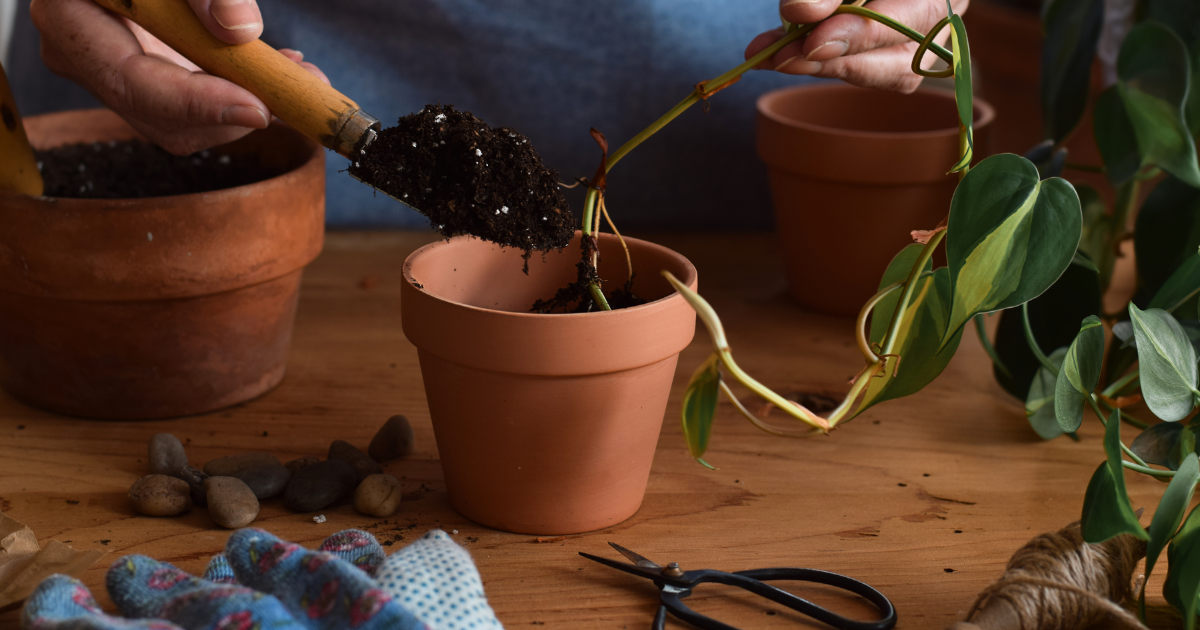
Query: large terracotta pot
852	172
157	307
545	424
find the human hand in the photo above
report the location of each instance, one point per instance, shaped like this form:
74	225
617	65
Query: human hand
853	48
161	94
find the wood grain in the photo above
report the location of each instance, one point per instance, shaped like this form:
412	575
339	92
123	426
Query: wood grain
293	94
18	168
925	497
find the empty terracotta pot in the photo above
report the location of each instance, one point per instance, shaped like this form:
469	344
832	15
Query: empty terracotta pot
156	307
545	424
852	172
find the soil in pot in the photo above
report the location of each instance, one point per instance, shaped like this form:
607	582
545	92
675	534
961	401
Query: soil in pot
104	170
470	178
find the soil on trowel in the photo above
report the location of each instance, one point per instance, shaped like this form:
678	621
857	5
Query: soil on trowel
133	169
469	178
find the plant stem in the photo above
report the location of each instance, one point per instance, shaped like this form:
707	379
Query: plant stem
1125	449
1119	384
1146	470
1033	344
889	342
860	326
758	422
589	203
786	405
987	346
860	383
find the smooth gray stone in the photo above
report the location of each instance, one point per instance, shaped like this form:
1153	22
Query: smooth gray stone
226	466
319	485
300	462
166	455
265	480
195	480
231	503
363	465
393	441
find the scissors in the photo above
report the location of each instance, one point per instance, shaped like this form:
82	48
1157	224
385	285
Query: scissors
674	584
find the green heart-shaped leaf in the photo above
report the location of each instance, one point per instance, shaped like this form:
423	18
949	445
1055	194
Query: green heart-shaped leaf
1153	72
700	405
1166	236
1177	295
1051	316
1071	29
1100	230
1079	374
1156	444
919	334
1169	513
1115	137
1010	236
1168	363
1106	510
962	85
1039	404
1183	17
1182	587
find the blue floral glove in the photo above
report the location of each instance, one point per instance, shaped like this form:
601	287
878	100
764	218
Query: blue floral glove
264	583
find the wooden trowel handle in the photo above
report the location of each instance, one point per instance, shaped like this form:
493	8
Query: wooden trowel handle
291	92
18	167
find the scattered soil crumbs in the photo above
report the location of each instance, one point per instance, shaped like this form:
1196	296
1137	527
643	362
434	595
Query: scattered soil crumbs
469	178
132	170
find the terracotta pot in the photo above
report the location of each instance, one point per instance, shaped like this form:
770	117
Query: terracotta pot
853	172
546	424
157	307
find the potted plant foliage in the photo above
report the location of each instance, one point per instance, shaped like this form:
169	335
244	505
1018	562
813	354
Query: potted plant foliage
1020	238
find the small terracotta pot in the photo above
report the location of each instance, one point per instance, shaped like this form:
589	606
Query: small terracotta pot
853	171
157	307
546	424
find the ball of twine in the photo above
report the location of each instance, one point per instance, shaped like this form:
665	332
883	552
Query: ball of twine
1059	582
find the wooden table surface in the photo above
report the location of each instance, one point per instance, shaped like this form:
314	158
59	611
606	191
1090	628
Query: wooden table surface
925	497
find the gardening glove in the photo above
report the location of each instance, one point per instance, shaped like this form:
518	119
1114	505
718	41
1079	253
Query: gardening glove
289	587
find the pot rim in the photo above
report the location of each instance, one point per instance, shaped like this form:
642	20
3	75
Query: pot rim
133	203
984	111
688	281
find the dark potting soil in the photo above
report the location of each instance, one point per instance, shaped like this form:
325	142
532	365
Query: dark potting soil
469	178
575	297
133	169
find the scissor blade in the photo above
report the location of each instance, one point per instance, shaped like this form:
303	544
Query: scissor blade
635	558
645	572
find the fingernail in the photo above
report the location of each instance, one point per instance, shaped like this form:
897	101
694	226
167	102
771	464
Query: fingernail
244	116
298	54
235	15
828	50
798	65
784	3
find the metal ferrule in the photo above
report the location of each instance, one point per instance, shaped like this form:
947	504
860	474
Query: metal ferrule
358	132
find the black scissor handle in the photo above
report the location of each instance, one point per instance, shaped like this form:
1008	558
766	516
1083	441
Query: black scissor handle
755	580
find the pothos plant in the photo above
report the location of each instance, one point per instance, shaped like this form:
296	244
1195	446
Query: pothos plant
1018	237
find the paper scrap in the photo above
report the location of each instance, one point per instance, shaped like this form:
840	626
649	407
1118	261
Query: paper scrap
23	564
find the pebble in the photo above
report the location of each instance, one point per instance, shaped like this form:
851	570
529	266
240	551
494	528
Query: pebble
393	441
265	480
226	466
195	480
378	495
166	455
319	485
363	465
160	495
295	465
231	503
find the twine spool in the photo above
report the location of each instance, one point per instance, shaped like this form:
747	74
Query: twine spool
1059	582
